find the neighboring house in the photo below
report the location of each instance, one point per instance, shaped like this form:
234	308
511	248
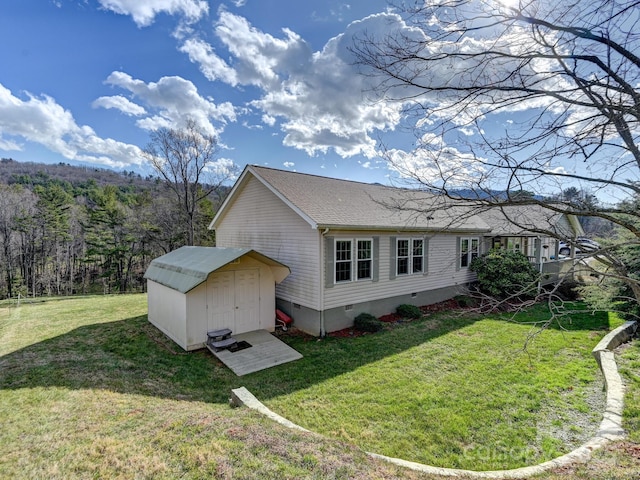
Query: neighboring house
354	247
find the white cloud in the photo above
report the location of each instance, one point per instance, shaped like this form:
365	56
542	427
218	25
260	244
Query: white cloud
173	101
289	164
317	95
120	103
268	120
223	168
211	66
43	121
144	12
435	163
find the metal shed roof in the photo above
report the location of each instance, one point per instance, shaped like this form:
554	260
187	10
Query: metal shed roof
187	267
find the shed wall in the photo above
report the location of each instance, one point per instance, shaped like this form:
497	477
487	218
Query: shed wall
168	312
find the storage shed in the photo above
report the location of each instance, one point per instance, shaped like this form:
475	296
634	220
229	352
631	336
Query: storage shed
193	290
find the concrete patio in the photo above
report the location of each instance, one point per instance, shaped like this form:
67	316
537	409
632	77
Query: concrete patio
266	351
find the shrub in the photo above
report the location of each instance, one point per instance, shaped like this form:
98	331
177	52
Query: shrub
504	273
569	290
465	301
408	311
365	322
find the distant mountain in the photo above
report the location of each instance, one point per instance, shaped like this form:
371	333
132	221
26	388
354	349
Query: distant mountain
31	174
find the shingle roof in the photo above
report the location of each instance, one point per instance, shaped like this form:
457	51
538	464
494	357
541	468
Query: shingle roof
187	267
527	219
330	202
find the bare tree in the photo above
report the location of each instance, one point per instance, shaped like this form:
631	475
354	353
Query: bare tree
186	159
511	95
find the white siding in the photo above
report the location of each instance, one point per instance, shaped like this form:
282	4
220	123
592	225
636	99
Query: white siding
168	312
442	271
258	219
196	309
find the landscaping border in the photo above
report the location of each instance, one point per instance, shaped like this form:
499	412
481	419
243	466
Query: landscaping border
610	428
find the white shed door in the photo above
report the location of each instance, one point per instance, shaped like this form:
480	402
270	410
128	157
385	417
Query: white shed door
233	300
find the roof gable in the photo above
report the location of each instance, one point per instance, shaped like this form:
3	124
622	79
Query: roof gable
333	203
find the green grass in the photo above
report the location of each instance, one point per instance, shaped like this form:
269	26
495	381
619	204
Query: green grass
455	392
89	389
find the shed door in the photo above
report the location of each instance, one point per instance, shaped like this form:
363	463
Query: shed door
233	300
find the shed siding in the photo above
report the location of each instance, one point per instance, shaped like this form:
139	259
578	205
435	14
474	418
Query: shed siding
168	312
441	273
258	219
197	317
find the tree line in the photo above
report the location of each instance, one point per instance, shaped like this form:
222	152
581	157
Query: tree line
61	237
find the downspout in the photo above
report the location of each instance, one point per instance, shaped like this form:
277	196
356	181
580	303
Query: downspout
538	243
323	332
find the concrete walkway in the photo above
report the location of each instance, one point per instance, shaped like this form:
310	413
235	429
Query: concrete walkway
266	351
610	427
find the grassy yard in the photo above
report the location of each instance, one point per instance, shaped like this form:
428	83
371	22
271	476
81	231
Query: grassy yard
450	391
89	389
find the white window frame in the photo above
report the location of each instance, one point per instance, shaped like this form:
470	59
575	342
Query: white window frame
369	259
471	252
353	260
337	261
410	256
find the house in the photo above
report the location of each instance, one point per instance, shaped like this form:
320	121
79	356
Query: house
524	227
357	247
193	290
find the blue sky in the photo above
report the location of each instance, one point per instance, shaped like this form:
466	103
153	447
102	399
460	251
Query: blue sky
84	82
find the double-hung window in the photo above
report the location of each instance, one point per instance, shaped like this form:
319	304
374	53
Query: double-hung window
343	261
353	259
409	256
469	249
364	255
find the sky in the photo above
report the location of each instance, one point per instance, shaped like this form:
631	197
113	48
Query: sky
85	82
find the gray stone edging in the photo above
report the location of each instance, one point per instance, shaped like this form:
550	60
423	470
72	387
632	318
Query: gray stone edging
610	428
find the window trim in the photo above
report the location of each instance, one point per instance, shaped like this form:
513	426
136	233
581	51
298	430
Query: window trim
410	256
354	261
336	262
357	259
471	252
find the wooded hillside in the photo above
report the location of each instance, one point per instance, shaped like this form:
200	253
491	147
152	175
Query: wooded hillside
67	229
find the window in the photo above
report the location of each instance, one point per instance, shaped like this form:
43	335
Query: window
409	256
348	262
469	249
343	261
364	260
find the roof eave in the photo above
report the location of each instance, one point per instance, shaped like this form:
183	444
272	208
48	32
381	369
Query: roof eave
409	228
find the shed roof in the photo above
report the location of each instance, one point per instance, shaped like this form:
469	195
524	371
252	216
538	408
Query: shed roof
329	202
187	267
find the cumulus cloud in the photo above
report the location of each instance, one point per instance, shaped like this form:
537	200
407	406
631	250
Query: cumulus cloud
211	65
435	163
144	12
317	96
43	121
172	101
118	102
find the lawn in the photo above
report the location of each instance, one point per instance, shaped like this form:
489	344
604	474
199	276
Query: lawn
450	391
89	389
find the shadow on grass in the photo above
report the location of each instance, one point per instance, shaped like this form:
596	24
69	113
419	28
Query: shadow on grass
131	356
